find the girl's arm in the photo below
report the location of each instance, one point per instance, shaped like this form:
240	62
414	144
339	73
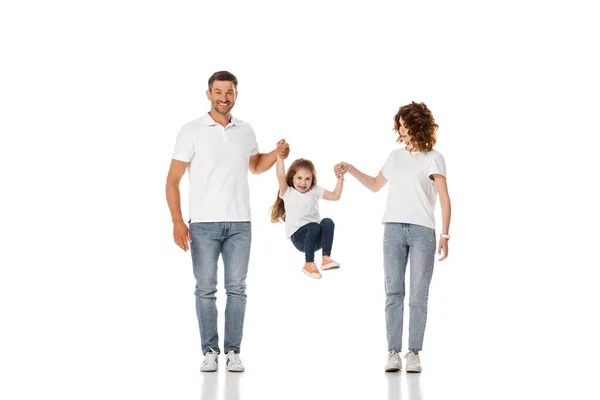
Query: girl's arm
442	188
337	192
280	169
373	184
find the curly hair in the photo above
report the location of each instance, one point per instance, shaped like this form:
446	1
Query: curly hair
278	209
420	124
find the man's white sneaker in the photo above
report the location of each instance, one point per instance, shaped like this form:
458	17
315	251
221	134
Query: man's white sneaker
413	362
393	363
233	362
211	361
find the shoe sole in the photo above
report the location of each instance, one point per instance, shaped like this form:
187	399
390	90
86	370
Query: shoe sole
212	369
414	370
235	370
392	369
311	275
332	265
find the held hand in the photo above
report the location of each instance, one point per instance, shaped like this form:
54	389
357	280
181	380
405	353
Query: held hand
181	235
283	149
341	168
443	249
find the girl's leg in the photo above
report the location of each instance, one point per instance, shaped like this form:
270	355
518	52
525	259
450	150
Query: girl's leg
422	244
395	257
327	228
306	239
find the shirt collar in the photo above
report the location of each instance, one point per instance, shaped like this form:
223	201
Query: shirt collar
211	122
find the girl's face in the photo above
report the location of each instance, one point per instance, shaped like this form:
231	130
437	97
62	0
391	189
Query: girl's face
404	136
302	180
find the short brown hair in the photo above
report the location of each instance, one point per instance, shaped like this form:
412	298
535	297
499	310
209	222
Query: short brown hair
222	76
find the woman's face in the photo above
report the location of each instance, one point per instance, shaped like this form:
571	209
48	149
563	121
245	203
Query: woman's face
404	136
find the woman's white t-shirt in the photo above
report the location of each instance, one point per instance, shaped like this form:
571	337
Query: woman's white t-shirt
301	208
412	194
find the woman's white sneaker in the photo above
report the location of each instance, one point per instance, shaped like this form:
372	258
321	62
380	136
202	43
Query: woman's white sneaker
413	362
393	363
211	361
233	362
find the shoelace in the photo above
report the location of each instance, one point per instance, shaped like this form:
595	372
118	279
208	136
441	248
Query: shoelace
393	354
412	357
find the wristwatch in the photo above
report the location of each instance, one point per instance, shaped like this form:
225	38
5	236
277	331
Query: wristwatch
445	235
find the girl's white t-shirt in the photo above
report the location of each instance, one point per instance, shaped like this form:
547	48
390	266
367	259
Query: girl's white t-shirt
301	208
412	194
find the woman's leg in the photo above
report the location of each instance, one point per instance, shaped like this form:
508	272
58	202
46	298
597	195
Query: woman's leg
395	257
422	245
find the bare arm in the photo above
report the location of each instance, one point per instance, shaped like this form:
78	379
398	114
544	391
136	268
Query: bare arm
181	233
337	192
260	163
374	184
442	188
280	170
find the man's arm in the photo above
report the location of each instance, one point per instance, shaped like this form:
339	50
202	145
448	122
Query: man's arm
260	163
181	233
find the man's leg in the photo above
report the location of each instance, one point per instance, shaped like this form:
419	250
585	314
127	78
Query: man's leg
236	256
205	248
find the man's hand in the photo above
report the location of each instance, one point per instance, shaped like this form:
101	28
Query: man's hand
283	149
181	235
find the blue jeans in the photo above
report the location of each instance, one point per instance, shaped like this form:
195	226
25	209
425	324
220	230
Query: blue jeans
401	243
312	237
232	241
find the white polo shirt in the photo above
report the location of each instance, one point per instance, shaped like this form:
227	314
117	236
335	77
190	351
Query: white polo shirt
412	195
301	208
218	169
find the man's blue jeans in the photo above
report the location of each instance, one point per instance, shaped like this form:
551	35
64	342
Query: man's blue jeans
403	242
231	240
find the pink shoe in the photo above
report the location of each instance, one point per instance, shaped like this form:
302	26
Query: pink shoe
328	263
310	269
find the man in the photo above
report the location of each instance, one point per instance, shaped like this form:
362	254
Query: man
218	150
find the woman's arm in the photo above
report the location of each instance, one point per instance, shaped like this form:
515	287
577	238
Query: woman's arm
373	184
442	188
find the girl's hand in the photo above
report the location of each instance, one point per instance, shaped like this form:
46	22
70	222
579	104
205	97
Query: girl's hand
283	149
340	169
443	248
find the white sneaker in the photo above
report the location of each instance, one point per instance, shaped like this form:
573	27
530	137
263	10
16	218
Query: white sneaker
233	362
211	361
413	362
393	363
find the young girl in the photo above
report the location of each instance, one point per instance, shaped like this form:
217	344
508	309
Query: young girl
297	205
417	176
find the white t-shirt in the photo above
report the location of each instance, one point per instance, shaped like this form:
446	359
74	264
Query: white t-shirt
218	168
301	208
412	194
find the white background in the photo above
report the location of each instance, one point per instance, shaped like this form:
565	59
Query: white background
96	300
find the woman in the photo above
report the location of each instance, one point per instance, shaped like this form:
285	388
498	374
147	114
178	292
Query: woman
417	175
